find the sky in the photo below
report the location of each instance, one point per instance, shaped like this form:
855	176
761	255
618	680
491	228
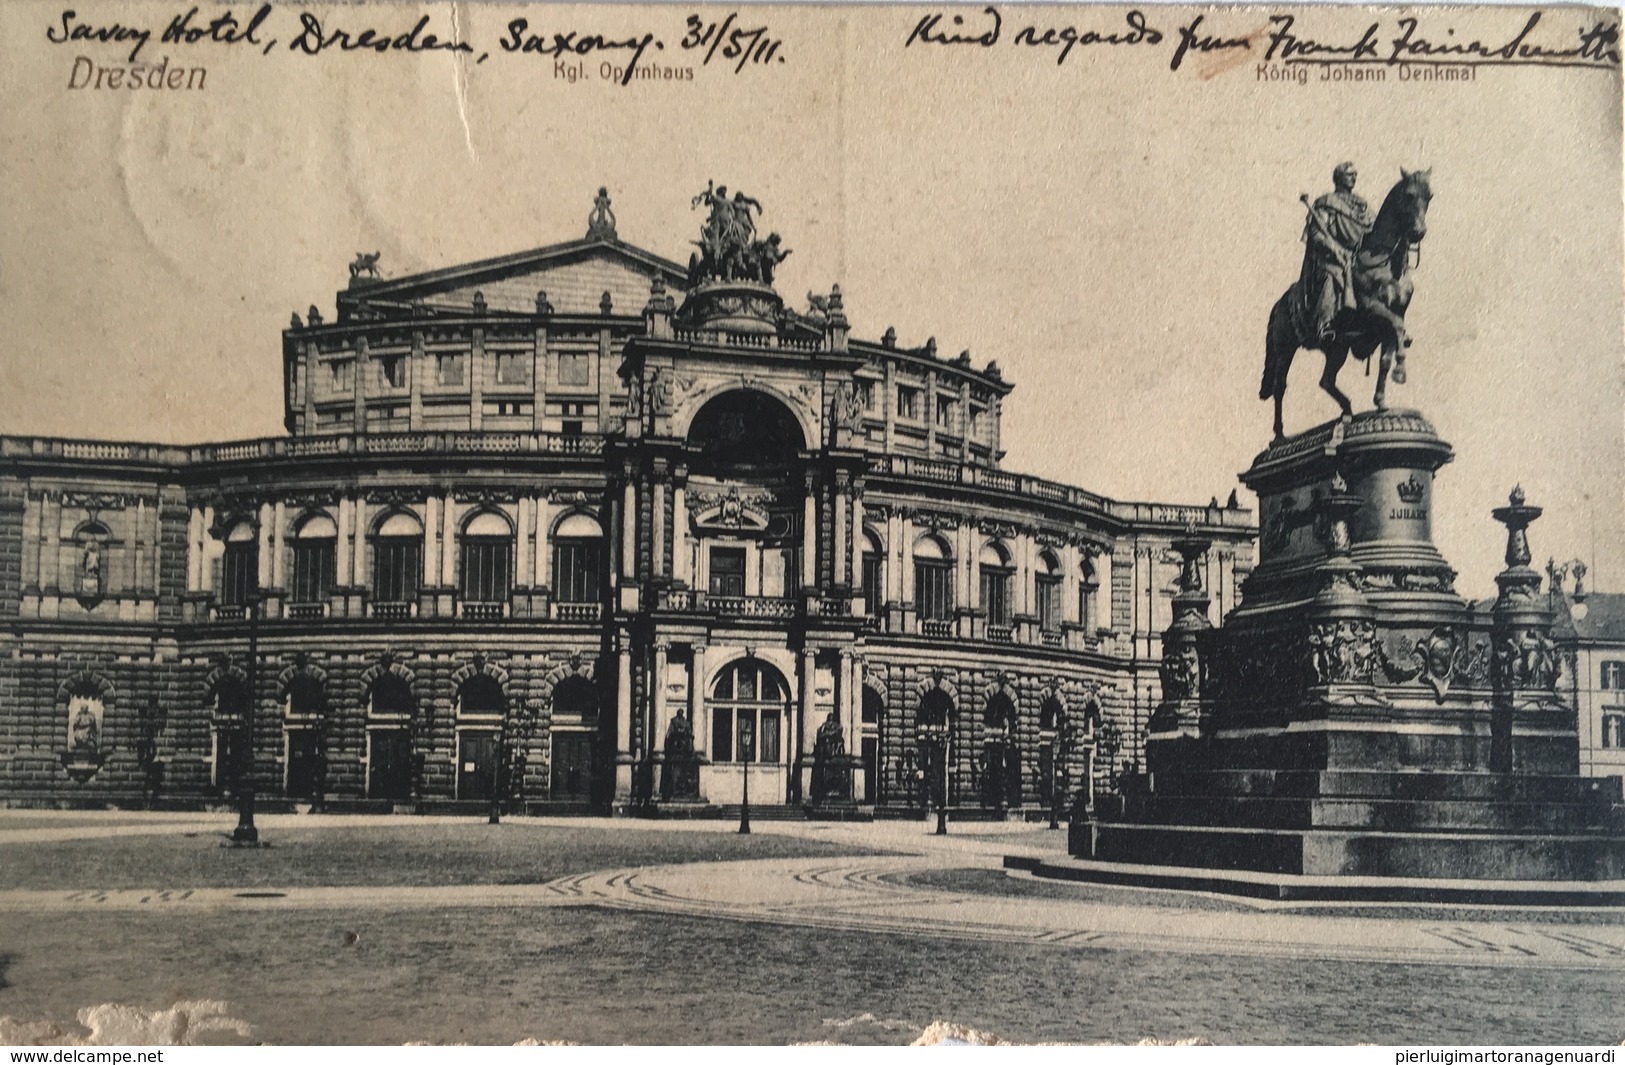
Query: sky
1112	232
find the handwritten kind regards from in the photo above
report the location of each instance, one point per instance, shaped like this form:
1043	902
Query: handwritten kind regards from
1275	47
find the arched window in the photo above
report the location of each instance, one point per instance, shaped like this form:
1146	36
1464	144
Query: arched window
1088	585
240	565
994	566
933	580
578	560
1047	593
397	559
748	698
481	696
871	579
746	428
935	710
487	559
315	544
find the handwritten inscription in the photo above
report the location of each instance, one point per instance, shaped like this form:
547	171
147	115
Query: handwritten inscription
1404	42
728	43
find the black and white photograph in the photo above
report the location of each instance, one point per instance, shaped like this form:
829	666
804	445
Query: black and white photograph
822	524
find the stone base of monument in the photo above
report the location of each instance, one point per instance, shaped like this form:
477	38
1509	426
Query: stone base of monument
1355	718
1297	888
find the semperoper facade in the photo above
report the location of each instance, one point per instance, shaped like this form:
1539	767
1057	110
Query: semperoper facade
587	528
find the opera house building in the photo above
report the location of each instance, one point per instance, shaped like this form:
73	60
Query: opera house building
585	529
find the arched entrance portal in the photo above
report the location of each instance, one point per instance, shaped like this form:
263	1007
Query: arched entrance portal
1001	755
749	705
575	719
933	734
746	428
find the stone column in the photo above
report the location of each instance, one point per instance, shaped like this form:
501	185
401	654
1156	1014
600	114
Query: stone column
205	568
194	551
679	532
657	546
807	725
524	556
623	723
279	551
930	415
264	576
431	556
699	714
888	405
809	535
840	559
358	532
417	369
629	531
659	711
448	540
544	522
856	564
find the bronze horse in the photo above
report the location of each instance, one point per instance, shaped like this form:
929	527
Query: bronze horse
1382	292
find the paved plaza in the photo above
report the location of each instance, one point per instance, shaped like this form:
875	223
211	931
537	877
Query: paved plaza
892	890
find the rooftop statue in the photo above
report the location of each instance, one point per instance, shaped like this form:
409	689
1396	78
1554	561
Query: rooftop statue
729	248
1351	296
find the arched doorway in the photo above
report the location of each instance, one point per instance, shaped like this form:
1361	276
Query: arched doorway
481	706
874	709
304	726
1001	755
391	765
749	704
933	735
575	719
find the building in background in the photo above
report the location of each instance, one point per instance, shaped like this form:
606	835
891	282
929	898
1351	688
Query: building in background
1590	629
587	528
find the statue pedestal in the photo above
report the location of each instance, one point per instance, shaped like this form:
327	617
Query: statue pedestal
1339	723
732	307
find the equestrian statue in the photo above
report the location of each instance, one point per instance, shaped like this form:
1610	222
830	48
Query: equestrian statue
1355	286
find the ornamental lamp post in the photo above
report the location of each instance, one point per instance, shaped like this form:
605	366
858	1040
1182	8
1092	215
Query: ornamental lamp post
747	751
246	834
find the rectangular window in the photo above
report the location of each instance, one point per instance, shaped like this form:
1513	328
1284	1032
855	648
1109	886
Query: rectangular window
240	573
727	571
871	583
313	570
1613	676
1048	601
397	569
574	369
934	590
908	402
449	369
996	595
945	413
767	744
578	571
487	570
570	427
511	367
341	375
393	370
722	734
1613	728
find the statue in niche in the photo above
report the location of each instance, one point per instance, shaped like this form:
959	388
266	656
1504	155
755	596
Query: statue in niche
90	570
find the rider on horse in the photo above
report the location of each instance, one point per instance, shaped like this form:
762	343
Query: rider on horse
1337	223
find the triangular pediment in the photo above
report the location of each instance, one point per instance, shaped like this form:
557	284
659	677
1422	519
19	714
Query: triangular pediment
574	275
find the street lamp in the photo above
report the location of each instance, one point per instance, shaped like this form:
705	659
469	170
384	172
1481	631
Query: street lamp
747	751
1061	747
245	834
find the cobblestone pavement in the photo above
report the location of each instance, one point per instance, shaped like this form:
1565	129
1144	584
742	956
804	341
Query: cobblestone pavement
877	894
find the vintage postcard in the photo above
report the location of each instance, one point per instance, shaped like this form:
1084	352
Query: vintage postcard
784	524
